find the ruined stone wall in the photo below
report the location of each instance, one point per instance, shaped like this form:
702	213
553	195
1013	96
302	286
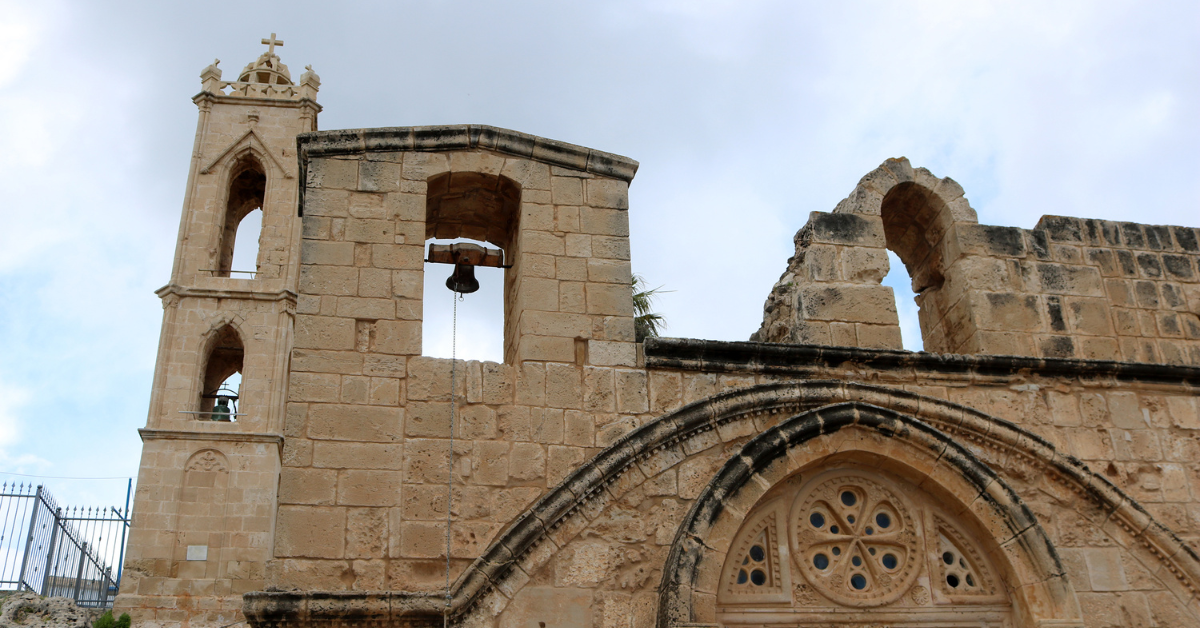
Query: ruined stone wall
1069	288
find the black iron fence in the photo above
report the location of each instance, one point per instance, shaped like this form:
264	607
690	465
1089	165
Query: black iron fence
56	551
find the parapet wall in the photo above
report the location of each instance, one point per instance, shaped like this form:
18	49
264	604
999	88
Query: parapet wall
1068	288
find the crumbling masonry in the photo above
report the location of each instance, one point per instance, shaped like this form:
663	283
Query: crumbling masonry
1039	467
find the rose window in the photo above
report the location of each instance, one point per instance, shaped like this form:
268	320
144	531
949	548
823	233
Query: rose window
855	539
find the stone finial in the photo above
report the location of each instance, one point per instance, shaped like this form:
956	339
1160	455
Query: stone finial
310	78
210	77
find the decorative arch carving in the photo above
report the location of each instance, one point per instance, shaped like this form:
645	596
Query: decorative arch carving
864	544
249	143
200	512
530	541
847	438
207	460
758	570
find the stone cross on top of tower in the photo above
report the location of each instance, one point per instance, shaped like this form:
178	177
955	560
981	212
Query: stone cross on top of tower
271	43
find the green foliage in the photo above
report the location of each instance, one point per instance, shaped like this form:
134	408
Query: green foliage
106	621
646	323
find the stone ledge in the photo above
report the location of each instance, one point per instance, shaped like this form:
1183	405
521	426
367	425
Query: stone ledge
463	137
238	437
760	357
252	295
227	99
275	609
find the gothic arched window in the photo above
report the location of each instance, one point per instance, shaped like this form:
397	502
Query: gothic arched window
221	386
242	226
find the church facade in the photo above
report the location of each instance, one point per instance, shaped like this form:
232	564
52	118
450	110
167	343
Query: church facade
1038	467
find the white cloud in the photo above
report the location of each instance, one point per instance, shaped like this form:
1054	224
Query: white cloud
19	30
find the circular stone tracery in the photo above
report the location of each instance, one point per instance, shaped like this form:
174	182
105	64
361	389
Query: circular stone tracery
855	539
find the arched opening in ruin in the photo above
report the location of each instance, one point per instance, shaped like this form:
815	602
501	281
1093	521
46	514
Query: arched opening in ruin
220	389
915	224
237	253
900	282
480	209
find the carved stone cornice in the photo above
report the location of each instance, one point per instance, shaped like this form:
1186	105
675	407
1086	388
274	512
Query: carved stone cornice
176	290
464	137
209	99
776	358
229	437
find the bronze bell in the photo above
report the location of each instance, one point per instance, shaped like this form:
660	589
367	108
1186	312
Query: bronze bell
462	280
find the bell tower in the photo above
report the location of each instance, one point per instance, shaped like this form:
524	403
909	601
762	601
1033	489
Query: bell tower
213	441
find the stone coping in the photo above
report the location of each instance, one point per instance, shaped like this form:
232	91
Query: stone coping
463	137
211	434
762	357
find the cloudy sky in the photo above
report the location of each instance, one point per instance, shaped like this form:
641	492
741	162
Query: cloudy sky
745	116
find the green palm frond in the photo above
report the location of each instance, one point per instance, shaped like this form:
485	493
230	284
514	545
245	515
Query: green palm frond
646	322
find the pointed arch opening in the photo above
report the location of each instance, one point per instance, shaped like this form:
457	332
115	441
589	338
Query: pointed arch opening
483	210
237	252
220	389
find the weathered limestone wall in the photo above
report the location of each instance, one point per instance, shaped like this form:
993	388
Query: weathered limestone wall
573	481
597	549
1069	288
368	426
596	485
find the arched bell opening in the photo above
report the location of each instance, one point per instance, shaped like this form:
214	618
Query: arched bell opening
220	388
241	230
471	223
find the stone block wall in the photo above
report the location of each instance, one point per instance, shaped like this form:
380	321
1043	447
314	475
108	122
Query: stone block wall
369	419
1069	288
212	491
609	523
